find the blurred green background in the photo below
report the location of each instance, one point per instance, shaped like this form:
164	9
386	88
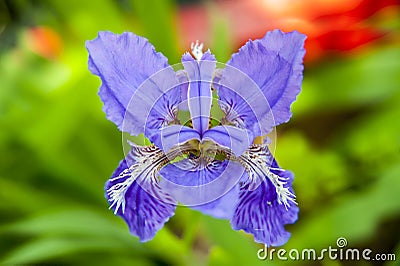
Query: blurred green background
58	149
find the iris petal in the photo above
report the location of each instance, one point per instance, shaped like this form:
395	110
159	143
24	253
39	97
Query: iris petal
124	62
137	197
260	214
266	199
174	135
199	96
209	187
274	64
155	103
236	139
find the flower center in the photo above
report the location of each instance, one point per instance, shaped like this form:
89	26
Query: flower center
206	150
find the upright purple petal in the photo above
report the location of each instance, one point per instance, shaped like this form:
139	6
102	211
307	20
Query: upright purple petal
183	79
274	64
243	103
290	46
124	62
145	206
156	103
209	187
199	96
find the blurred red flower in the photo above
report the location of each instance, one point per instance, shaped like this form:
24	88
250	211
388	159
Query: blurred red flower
331	25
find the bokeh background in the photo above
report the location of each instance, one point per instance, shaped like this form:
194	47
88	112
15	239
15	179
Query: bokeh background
57	148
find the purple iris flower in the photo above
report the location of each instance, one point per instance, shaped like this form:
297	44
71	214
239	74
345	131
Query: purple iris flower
214	166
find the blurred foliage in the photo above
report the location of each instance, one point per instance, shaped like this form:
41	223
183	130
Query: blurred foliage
57	148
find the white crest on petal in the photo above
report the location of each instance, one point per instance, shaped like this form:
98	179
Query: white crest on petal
197	50
284	194
116	193
257	160
148	162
